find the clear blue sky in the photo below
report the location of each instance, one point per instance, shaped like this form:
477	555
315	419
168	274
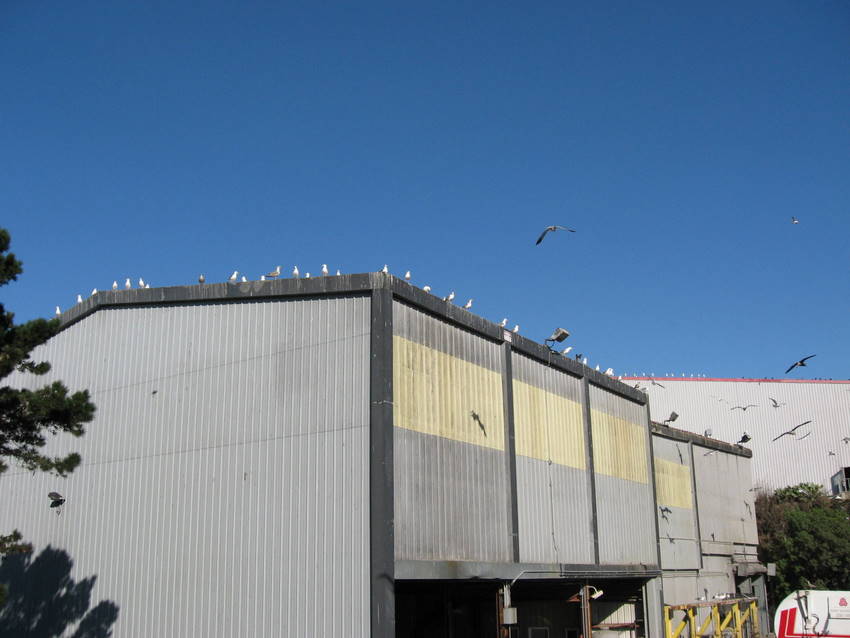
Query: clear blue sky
165	139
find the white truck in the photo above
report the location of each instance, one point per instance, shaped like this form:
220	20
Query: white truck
813	613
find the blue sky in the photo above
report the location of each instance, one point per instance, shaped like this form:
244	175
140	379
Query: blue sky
165	139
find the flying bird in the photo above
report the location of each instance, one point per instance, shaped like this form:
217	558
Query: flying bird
551	229
745	438
56	499
566	350
201	278
846	440
744	407
792	431
274	273
234	276
794	220
468	304
295	272
324	270
801	363
831	453
426	288
774	403
654	382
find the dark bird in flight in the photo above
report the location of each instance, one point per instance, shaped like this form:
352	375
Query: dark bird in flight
654	382
846	440
745	438
794	220
774	403
477	419
831	453
665	512
807	434
551	229
792	431
744	407
56	499
801	363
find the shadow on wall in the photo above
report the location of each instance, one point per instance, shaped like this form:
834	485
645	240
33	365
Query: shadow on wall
43	600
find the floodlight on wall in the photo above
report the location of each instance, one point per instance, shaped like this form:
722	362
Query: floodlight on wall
596	592
673	417
559	335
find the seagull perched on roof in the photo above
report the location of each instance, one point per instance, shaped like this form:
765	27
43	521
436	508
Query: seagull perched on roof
58	311
516	329
324	270
115	285
93	292
407	276
128	284
244	279
141	283
274	273
201	278
385	269
551	229
295	272
338	273
450	296
234	276
262	277
79	299
426	288
801	363
468	304
791	432
504	322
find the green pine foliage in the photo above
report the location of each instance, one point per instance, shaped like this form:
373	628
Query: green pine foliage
28	417
807	534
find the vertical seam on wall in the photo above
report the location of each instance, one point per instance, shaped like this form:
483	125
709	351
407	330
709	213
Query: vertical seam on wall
381	489
510	447
696	503
591	473
651	454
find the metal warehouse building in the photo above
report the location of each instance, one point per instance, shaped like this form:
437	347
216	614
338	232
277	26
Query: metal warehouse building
351	456
815	453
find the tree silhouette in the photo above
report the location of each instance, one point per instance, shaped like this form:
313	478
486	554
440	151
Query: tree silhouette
44	601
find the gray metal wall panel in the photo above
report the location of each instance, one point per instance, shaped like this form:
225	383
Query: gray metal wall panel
450	500
707	404
726	501
554	513
622	504
450	473
677	527
553	499
681	588
234	499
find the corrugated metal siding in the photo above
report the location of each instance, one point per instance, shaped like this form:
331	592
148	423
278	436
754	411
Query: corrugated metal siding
224	485
624	499
681	588
726	502
450	469
676	512
705	405
553	488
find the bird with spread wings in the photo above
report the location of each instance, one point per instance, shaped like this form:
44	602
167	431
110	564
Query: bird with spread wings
551	229
791	432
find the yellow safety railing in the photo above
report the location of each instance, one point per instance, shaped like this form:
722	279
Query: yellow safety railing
721	614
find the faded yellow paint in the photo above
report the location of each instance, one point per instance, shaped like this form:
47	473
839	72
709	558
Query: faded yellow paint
673	484
436	393
548	427
619	448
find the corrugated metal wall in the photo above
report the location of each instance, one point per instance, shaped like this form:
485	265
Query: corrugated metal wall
450	468
726	501
677	525
624	498
709	404
224	484
553	485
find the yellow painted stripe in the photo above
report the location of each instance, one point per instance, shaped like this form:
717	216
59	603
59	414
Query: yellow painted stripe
548	427
673	484
436	393
619	448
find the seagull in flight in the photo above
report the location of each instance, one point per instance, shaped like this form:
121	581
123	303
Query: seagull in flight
794	220
846	440
801	363
744	407
654	382
791	432
774	403
566	350
551	229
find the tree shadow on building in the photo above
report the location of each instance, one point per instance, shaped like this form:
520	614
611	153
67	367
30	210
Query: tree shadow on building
43	600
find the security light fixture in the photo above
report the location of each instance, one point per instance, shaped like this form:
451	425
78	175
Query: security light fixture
559	335
673	416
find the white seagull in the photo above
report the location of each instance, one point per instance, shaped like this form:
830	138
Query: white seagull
233	277
566	350
114	285
141	283
262	277
244	279
450	296
324	269
93	292
274	273
79	299
58	312
338	273
504	322
407	276
295	272
385	269
426	288
201	278
127	284
516	329
468	304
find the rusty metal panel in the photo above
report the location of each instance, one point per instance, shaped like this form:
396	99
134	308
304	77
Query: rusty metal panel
553	487
450	469
224	483
708	405
624	494
726	500
676	507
